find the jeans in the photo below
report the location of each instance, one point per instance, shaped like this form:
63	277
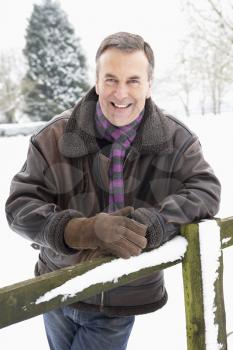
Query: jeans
68	328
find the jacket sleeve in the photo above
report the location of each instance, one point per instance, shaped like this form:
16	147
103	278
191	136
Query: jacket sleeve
30	208
196	196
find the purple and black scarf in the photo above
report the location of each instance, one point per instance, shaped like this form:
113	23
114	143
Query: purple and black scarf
121	138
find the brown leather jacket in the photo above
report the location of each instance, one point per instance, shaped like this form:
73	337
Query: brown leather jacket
66	175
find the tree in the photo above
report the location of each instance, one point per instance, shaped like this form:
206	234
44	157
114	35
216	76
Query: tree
211	35
214	19
177	85
11	74
57	69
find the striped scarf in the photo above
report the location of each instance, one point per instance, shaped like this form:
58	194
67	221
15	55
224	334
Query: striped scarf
121	138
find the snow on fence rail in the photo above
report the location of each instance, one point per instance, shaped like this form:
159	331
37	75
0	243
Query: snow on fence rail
199	249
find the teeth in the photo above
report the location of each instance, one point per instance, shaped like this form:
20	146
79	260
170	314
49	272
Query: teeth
120	106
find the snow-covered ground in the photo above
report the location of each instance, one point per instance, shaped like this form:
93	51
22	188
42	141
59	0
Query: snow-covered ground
163	330
15	129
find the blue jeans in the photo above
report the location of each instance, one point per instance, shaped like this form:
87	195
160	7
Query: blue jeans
70	329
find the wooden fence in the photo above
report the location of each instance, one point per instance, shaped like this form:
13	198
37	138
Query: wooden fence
21	301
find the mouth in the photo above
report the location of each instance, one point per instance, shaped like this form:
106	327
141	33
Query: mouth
121	106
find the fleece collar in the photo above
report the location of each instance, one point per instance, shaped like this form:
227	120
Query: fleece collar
79	138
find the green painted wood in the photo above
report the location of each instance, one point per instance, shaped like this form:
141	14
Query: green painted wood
220	315
226	229
193	292
17	302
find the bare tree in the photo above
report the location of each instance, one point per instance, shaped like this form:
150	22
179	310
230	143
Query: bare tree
202	74
210	34
214	19
180	82
183	80
11	73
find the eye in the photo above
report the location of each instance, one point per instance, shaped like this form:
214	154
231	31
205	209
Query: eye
110	81
134	81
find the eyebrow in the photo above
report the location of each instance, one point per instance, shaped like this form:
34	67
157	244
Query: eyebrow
109	75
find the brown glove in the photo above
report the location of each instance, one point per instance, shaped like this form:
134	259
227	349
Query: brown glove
116	233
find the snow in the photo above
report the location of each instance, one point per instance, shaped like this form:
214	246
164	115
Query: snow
209	235
226	240
113	270
17	258
15	129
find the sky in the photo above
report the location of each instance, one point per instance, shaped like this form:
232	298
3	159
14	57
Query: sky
160	22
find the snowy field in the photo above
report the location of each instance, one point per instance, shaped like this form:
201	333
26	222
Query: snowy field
163	330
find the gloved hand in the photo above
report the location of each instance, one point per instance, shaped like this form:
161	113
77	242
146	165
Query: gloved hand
115	232
155	225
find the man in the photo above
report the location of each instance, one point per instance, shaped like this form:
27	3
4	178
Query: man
113	176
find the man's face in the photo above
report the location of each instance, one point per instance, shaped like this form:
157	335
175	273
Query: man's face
122	85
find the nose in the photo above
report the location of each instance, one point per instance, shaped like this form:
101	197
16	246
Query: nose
121	92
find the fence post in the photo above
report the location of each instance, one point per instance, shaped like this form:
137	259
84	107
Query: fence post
193	293
220	315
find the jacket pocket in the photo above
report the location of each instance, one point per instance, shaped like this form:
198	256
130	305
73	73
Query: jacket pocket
40	267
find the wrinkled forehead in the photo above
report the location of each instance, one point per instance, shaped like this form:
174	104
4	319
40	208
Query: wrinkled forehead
117	63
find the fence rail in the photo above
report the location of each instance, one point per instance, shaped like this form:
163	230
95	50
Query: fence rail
22	301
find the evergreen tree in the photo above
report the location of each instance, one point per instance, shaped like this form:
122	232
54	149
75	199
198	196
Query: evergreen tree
57	69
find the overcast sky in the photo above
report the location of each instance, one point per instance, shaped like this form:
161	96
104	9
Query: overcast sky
160	22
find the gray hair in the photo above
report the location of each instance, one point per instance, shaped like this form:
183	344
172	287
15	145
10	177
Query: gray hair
126	42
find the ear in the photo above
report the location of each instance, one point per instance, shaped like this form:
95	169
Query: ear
97	87
149	89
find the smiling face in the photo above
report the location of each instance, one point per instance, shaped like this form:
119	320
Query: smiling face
122	85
